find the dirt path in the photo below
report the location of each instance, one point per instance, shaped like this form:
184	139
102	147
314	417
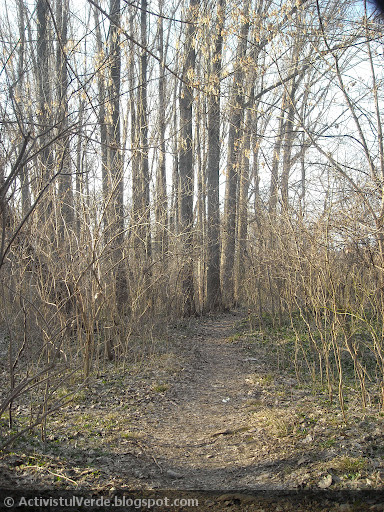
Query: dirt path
195	432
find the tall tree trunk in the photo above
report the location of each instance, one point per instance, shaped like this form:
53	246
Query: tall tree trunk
200	231
116	219
174	220
242	217
44	113
274	183
135	160
258	128
234	142
80	176
24	178
145	230
140	165
102	120
213	298
161	210
186	162
289	135
65	191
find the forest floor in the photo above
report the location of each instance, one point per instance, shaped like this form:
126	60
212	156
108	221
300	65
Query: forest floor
209	411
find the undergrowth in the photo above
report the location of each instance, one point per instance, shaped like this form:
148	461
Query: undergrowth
335	355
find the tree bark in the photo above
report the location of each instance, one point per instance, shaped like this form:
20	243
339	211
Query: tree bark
161	210
186	163
234	142
102	120
116	219
44	113
242	217
213	298
65	190
274	183
144	226
24	178
289	135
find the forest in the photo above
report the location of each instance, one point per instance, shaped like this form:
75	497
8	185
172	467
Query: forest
169	163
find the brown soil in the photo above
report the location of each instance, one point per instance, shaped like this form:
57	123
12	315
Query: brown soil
213	413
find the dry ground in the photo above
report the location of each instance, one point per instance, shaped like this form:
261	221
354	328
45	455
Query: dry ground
211	411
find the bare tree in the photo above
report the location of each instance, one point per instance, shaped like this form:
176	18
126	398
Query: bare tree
24	178
116	224
161	179
143	214
186	170
65	191
213	299
234	143
44	86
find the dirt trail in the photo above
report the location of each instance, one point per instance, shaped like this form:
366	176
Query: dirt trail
195	433
201	432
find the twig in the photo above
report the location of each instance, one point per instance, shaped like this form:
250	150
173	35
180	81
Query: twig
60	475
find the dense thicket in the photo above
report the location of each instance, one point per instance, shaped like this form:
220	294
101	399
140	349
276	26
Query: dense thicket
161	159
